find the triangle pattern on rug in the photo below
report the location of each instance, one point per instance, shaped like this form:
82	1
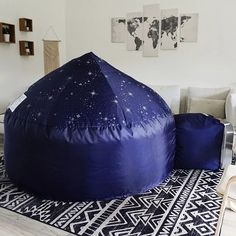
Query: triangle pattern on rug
186	203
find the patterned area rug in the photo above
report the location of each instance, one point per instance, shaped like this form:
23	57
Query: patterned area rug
185	204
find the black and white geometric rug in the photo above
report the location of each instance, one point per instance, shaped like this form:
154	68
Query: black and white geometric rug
185	204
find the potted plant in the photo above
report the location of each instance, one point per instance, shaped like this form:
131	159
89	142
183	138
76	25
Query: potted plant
6	34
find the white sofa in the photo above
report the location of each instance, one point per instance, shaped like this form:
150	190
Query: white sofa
6	100
219	102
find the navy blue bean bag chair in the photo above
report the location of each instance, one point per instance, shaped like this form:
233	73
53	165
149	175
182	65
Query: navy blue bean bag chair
87	131
198	141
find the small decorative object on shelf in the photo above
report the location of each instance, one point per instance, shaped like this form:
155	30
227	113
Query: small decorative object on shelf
7	33
26	24
26	48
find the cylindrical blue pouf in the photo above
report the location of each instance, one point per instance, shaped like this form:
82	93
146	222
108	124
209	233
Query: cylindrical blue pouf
87	131
198	141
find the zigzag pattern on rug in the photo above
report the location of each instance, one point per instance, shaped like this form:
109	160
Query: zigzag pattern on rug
185	204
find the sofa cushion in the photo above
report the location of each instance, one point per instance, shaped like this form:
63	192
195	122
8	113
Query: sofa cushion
207	93
211	93
171	95
212	107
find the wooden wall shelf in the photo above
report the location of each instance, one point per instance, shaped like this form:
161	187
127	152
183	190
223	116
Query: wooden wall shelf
26	24
26	48
10	30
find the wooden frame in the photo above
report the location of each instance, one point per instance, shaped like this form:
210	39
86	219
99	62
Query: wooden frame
26	48
11	29
26	25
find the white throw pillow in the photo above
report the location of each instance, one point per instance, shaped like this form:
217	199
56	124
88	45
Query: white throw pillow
230	107
207	93
212	107
171	95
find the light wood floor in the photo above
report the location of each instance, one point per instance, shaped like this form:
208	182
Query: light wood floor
13	224
229	224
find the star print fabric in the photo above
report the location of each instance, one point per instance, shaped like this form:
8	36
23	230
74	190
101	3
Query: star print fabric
87	131
88	92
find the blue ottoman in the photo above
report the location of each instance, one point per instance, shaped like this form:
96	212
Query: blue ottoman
198	141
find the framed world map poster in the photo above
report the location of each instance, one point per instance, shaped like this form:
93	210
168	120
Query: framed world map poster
188	27
118	30
169	28
151	28
134	31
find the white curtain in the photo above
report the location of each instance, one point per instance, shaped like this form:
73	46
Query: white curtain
51	55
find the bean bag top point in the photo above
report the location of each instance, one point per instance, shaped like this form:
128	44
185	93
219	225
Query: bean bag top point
87	131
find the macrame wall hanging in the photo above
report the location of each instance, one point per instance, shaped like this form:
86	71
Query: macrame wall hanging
51	51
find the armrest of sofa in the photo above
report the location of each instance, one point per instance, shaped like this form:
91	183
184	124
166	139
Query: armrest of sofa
1	123
230	107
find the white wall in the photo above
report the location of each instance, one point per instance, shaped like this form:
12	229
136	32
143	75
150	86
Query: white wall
210	62
17	72
84	25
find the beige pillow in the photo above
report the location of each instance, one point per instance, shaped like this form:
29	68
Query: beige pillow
212	107
209	93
